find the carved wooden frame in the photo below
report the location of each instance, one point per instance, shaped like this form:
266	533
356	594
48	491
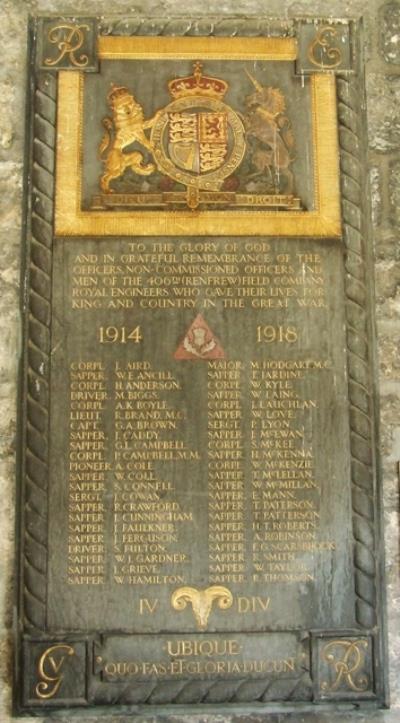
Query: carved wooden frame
34	417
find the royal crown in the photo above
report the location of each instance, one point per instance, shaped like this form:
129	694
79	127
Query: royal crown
117	94
197	84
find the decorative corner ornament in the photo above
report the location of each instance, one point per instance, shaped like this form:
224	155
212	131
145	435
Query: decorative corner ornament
68	44
55	673
50	666
323	47
202	601
346	657
322	52
344	667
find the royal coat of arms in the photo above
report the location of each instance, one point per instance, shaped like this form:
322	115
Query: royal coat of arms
194	145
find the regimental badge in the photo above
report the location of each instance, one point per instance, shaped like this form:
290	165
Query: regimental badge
199	342
197	142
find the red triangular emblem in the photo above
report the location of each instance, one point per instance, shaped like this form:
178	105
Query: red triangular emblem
199	342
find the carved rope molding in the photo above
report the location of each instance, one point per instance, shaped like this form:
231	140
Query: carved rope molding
206	691
362	476
38	353
201	26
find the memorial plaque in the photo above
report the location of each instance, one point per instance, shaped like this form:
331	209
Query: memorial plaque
199	516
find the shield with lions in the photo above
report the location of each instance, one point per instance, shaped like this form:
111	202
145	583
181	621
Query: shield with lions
198	142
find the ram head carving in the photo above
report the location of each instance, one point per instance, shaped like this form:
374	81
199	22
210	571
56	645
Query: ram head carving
202	601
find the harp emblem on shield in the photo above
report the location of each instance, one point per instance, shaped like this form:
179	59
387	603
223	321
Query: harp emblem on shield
198	139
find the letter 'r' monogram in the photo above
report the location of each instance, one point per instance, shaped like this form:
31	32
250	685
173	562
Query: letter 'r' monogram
68	39
50	665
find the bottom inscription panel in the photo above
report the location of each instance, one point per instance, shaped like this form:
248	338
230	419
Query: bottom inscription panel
211	668
198	657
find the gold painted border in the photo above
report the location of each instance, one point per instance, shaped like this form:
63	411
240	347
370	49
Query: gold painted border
70	220
129	48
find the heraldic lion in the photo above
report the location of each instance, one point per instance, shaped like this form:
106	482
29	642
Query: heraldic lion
126	127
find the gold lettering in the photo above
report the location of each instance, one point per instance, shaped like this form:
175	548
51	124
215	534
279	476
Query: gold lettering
147	606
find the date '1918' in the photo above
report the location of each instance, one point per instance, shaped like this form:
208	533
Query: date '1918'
269	334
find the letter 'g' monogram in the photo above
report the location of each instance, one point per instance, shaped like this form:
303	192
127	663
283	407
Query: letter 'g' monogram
49	670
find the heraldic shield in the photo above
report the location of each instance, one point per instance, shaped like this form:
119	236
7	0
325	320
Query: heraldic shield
198	142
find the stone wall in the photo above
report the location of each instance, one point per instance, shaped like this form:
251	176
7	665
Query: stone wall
382	65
